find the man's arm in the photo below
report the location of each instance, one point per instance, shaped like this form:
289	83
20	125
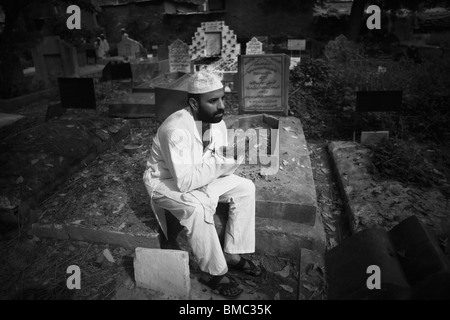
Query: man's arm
191	173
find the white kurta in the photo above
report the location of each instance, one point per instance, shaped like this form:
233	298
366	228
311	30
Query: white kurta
189	182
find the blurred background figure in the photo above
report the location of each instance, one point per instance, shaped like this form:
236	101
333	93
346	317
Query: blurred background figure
99	49
105	45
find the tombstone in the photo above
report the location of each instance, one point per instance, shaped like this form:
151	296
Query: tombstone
179	58
214	39
129	48
254	47
77	93
116	70
265	43
264	84
54	58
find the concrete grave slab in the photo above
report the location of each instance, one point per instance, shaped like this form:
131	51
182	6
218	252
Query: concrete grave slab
133	105
164	271
7	119
289	194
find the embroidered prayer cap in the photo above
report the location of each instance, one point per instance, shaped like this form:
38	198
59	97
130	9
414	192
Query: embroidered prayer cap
203	82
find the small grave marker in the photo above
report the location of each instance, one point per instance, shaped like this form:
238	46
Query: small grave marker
254	47
179	58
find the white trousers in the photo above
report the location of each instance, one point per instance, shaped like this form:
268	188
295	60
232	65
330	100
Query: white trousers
194	209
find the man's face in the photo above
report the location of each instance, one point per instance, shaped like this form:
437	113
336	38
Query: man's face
211	108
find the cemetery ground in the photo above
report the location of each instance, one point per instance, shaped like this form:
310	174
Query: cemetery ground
409	176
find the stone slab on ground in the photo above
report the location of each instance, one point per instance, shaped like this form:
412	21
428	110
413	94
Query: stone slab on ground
13	104
286	239
164	271
134	105
290	193
7	119
79	233
370	202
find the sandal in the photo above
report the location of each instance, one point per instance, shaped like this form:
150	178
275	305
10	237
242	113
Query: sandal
223	288
247	266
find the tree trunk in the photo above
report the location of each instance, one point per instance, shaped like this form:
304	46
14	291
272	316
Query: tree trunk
356	17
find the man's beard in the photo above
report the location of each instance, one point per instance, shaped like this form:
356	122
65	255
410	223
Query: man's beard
215	118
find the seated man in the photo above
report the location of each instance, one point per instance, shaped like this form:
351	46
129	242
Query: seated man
188	174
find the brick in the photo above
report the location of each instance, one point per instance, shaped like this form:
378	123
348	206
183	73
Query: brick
418	250
165	271
347	265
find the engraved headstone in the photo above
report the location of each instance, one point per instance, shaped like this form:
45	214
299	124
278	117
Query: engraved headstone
254	47
264	84
179	59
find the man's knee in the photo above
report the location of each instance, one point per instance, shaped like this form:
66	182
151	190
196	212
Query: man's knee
247	186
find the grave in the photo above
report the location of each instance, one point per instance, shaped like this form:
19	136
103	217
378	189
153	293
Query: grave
264	84
54	58
130	48
133	105
254	47
285	186
179	58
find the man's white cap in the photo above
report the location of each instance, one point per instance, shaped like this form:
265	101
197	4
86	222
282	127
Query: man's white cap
203	82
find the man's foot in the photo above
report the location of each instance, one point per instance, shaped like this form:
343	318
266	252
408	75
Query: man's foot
226	286
246	266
